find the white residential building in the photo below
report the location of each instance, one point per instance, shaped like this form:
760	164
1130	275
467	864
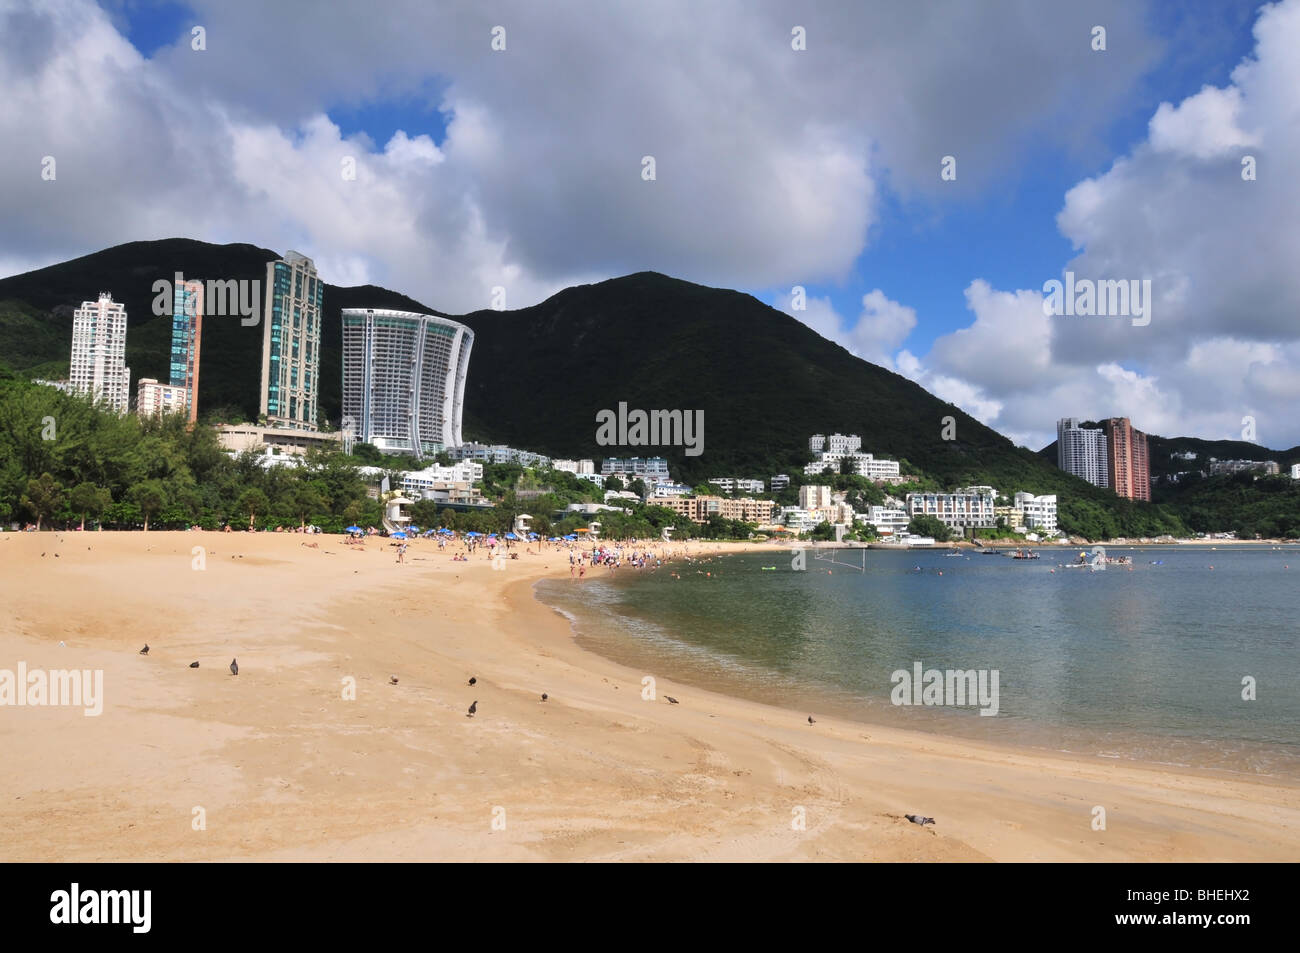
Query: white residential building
969	507
98	364
780	481
1039	512
739	485
498	453
888	520
798	519
403	378
416	482
574	466
670	489
863	464
835	443
1082	452
1295	471
632	467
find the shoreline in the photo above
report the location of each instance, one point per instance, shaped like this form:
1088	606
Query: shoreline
286	770
848	709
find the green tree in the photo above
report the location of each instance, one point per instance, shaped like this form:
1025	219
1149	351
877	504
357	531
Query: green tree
150	496
251	502
306	500
43	496
925	525
87	499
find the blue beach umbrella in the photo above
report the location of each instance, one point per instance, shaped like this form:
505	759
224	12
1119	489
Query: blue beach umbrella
399	535
352	529
472	533
511	536
553	539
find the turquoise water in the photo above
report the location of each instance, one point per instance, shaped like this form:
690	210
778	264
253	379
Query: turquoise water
1144	664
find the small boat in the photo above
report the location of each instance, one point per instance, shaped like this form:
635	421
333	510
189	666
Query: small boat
1022	554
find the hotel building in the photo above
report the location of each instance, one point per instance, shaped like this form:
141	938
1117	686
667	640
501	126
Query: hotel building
98	362
1082	452
153	398
1128	464
967	507
187	333
291	343
404	379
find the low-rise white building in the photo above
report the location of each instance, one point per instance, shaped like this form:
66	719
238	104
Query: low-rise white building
798	519
574	466
1039	512
862	464
737	485
888	520
498	453
779	482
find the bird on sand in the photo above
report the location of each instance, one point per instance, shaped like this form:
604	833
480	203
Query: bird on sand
392	679
472	708
145	650
544	696
234	666
473	681
918	819
812	720
671	700
194	665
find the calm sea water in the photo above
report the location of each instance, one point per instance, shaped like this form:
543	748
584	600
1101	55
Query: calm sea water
1146	664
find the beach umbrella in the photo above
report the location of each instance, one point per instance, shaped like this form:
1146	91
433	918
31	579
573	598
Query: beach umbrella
511	536
446	532
352	529
472	533
399	535
554	539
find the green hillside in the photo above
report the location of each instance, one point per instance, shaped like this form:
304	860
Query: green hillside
538	376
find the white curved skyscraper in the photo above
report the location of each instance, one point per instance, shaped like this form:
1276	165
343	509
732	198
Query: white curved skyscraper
404	379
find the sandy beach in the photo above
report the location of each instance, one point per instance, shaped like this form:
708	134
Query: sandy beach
277	764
